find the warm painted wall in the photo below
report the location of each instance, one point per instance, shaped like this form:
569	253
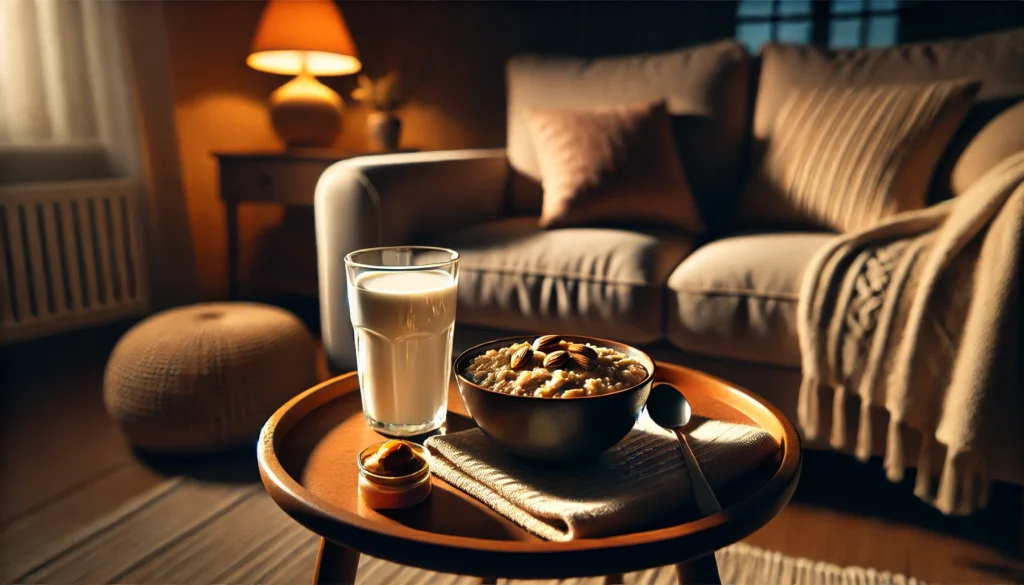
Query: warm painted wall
220	103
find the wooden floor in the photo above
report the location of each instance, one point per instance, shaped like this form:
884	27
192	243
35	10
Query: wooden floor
57	450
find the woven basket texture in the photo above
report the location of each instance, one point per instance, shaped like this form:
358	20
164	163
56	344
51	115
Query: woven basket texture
206	377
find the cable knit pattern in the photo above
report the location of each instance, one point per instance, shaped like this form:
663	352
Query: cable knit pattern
876	266
612	165
845	158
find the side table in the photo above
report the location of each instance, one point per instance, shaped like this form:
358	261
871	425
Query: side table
307	459
284	178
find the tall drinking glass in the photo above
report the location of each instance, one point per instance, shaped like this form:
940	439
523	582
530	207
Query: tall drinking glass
402	303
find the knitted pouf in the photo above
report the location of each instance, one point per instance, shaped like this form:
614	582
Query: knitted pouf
207	376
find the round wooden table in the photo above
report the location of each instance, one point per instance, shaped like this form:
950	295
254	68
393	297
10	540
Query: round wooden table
307	459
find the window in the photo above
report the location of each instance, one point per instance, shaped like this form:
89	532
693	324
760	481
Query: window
863	23
836	23
761	21
63	90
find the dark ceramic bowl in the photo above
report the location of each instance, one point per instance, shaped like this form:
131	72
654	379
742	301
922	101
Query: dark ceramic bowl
554	429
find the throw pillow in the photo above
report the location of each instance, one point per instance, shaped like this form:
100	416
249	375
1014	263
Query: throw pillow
614	164
1001	137
844	158
705	87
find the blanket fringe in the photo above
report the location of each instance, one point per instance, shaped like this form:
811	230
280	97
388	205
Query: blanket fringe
839	418
864	432
963	486
895	457
925	473
808	407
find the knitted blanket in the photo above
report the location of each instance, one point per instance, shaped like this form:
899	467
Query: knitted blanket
920	315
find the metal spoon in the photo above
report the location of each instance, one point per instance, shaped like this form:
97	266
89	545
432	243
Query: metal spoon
669	409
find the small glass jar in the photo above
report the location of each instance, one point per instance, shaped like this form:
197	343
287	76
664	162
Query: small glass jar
385	492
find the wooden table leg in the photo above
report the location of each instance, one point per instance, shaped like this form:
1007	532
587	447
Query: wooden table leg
233	267
335	564
702	571
616	579
488	581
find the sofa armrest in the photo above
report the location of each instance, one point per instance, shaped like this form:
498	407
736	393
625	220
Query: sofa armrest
388	200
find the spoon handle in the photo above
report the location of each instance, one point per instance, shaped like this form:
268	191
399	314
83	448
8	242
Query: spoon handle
707	503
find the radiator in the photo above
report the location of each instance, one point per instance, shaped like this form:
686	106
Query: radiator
72	256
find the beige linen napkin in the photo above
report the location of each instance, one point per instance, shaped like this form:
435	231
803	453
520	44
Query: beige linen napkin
631	486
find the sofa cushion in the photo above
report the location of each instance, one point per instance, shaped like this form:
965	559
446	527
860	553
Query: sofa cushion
993	59
612	166
1000	138
706	89
736	297
589	281
844	158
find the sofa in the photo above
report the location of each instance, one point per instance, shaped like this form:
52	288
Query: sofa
723	302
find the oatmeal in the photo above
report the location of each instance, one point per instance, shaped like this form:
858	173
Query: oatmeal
554	368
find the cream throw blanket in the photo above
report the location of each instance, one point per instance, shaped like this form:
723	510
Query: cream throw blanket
921	316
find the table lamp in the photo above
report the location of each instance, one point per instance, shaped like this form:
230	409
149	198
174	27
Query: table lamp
304	38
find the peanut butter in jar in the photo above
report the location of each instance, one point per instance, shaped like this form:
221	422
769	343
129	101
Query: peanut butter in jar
393	474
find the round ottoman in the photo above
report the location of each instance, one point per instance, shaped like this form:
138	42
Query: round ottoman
207	376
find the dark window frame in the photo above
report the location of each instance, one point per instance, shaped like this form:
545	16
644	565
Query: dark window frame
821	17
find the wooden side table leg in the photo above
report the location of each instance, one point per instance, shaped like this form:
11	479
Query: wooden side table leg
335	564
702	571
232	220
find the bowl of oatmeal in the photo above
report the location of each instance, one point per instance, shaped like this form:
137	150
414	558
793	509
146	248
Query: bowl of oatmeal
554	398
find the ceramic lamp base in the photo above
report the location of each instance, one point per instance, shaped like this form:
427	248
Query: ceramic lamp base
306	112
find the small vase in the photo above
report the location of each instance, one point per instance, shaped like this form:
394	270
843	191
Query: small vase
382	130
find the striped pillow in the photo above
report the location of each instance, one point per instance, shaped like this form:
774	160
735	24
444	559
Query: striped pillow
846	158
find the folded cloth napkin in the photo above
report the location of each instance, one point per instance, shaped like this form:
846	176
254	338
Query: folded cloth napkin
631	486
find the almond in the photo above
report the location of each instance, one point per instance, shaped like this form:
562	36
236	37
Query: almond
556	359
547	343
581	349
583	361
521	357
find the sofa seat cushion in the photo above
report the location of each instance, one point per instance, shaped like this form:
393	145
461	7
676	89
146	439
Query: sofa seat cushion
736	297
589	281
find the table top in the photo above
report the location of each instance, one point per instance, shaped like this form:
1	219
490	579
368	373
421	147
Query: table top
307	459
303	154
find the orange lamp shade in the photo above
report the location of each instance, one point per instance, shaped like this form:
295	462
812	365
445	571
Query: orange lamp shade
303	36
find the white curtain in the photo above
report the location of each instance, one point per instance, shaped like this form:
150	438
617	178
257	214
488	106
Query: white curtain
63	78
87	80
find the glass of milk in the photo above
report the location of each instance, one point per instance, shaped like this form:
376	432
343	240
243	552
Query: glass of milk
402	303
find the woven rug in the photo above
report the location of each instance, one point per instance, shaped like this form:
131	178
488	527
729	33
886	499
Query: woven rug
193	532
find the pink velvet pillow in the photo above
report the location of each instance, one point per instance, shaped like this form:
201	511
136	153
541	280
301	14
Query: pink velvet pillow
612	165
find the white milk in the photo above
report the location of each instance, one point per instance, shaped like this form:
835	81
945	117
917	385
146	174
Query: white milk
403	326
